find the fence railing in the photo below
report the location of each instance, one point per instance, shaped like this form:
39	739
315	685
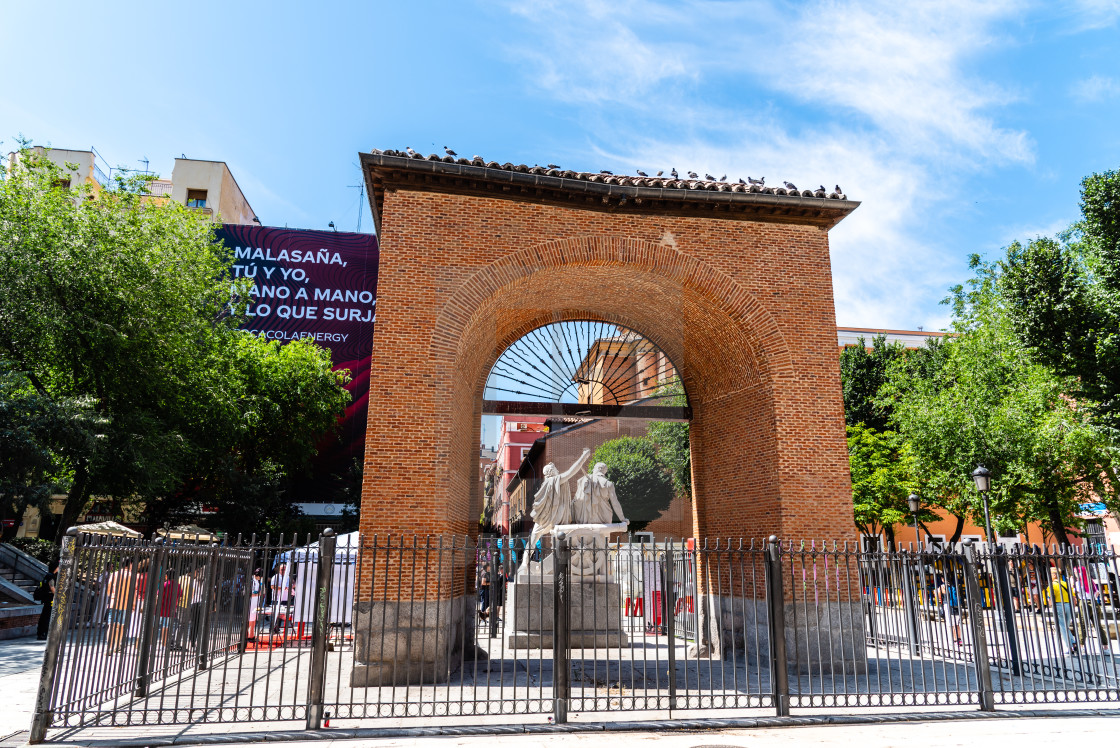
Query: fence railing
413	629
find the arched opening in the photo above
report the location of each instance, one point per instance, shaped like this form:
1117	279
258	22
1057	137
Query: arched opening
586	384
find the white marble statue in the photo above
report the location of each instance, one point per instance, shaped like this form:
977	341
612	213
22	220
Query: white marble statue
552	504
596	502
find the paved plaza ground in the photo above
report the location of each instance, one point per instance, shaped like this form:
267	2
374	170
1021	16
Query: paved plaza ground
19	671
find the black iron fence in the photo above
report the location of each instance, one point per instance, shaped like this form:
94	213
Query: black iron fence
413	629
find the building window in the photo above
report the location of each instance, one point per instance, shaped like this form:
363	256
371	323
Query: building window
1095	537
196	198
524	452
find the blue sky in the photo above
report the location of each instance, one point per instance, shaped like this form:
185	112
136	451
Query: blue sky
960	125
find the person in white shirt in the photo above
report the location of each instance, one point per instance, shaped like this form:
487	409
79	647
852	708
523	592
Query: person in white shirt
282	589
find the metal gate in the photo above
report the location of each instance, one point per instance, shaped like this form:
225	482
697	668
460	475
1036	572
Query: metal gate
400	631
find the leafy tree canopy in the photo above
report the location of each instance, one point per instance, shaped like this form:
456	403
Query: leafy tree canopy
882	478
672	442
863	372
989	402
1063	297
124	304
642	481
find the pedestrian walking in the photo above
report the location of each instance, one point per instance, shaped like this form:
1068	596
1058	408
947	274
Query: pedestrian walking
1065	600
119	597
255	603
44	593
168	606
282	590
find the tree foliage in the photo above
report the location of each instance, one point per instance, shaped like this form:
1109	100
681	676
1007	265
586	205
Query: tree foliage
125	304
988	402
672	440
1064	298
883	476
641	478
863	373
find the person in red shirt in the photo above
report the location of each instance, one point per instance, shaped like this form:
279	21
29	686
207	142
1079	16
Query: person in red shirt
168	605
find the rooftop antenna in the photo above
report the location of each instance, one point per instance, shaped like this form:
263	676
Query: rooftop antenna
145	162
361	197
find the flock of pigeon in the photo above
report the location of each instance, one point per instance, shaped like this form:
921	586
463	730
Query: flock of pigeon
750	184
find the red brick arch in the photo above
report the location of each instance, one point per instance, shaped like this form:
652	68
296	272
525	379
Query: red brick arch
764	354
743	308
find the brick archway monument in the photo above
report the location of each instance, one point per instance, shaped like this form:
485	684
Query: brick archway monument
733	283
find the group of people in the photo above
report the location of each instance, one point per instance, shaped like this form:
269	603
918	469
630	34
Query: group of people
177	602
1071	596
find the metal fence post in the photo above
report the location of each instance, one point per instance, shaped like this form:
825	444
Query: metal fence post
202	636
776	622
912	614
319	630
1001	562
60	616
561	598
147	626
670	623
979	636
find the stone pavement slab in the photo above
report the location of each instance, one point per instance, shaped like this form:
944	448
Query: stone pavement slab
21	661
965	730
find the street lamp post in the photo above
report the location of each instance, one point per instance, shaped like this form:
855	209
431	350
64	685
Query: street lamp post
915	503
913	614
982	477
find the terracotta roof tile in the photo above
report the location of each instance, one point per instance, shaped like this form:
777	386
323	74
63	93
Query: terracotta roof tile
623	179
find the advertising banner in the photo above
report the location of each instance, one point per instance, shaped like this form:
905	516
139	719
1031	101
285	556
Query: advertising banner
320	285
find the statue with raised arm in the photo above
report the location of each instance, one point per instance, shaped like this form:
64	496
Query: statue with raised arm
552	504
596	501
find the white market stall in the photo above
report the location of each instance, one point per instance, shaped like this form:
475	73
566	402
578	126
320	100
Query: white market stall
303	565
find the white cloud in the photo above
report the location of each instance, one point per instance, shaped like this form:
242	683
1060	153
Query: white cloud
1096	88
894	115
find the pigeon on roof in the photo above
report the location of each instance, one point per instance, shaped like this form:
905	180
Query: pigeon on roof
554	166
642	173
839	191
608	173
821	189
449	152
723	178
660	172
674	173
790	185
693	175
741	181
709	177
759	182
411	152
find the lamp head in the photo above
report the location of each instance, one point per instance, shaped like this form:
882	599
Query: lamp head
915	503
982	477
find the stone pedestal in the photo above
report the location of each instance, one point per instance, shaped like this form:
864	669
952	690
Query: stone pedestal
596	615
410	642
595	611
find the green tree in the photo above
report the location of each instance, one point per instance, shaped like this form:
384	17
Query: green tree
672	442
40	439
863	373
642	481
1064	298
882	477
990	402
128	304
